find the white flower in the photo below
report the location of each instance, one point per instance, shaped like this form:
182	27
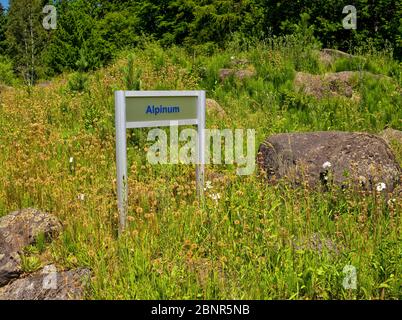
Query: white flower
327	165
391	202
208	185
215	196
81	197
71	159
232	57
381	186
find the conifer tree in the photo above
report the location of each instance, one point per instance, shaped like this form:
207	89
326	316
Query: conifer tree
26	37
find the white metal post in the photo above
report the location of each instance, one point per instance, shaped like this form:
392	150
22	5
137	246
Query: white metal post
201	145
121	157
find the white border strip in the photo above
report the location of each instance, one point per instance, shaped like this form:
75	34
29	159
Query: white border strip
163	93
161	123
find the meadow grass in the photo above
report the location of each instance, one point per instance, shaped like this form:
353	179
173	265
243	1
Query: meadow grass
256	241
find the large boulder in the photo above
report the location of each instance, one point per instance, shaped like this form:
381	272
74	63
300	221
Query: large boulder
332	157
48	284
18	230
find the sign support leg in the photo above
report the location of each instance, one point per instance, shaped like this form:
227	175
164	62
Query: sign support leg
121	158
201	147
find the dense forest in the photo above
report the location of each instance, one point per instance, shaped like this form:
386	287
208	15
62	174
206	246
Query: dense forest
89	33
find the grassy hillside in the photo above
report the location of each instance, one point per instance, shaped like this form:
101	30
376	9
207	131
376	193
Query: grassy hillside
253	241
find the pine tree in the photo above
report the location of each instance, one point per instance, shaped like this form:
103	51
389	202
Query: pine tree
3	22
26	37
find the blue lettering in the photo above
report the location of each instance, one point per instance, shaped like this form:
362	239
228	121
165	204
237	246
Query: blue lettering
151	109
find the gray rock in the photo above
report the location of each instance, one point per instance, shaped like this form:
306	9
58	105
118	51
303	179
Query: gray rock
337	53
321	158
239	62
226	73
392	136
328	85
215	108
18	230
238	74
48	284
10	267
244	74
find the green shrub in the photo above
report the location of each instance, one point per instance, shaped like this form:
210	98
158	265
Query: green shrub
132	74
6	71
78	82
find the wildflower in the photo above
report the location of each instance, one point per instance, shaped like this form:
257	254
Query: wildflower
81	197
381	186
208	185
72	165
327	165
391	202
215	196
237	222
232	58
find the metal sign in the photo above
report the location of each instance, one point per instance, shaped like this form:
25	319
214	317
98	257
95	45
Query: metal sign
144	109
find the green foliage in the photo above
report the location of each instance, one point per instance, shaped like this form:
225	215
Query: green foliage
103	28
78	81
377	20
30	263
3	24
26	38
132	74
6	71
76	39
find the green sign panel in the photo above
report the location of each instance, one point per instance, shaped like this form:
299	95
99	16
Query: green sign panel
161	108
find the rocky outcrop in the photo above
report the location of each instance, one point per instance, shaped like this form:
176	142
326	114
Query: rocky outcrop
329	56
48	284
328	85
335	84
322	158
10	267
18	230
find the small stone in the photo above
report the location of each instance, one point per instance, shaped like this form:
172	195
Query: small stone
215	108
